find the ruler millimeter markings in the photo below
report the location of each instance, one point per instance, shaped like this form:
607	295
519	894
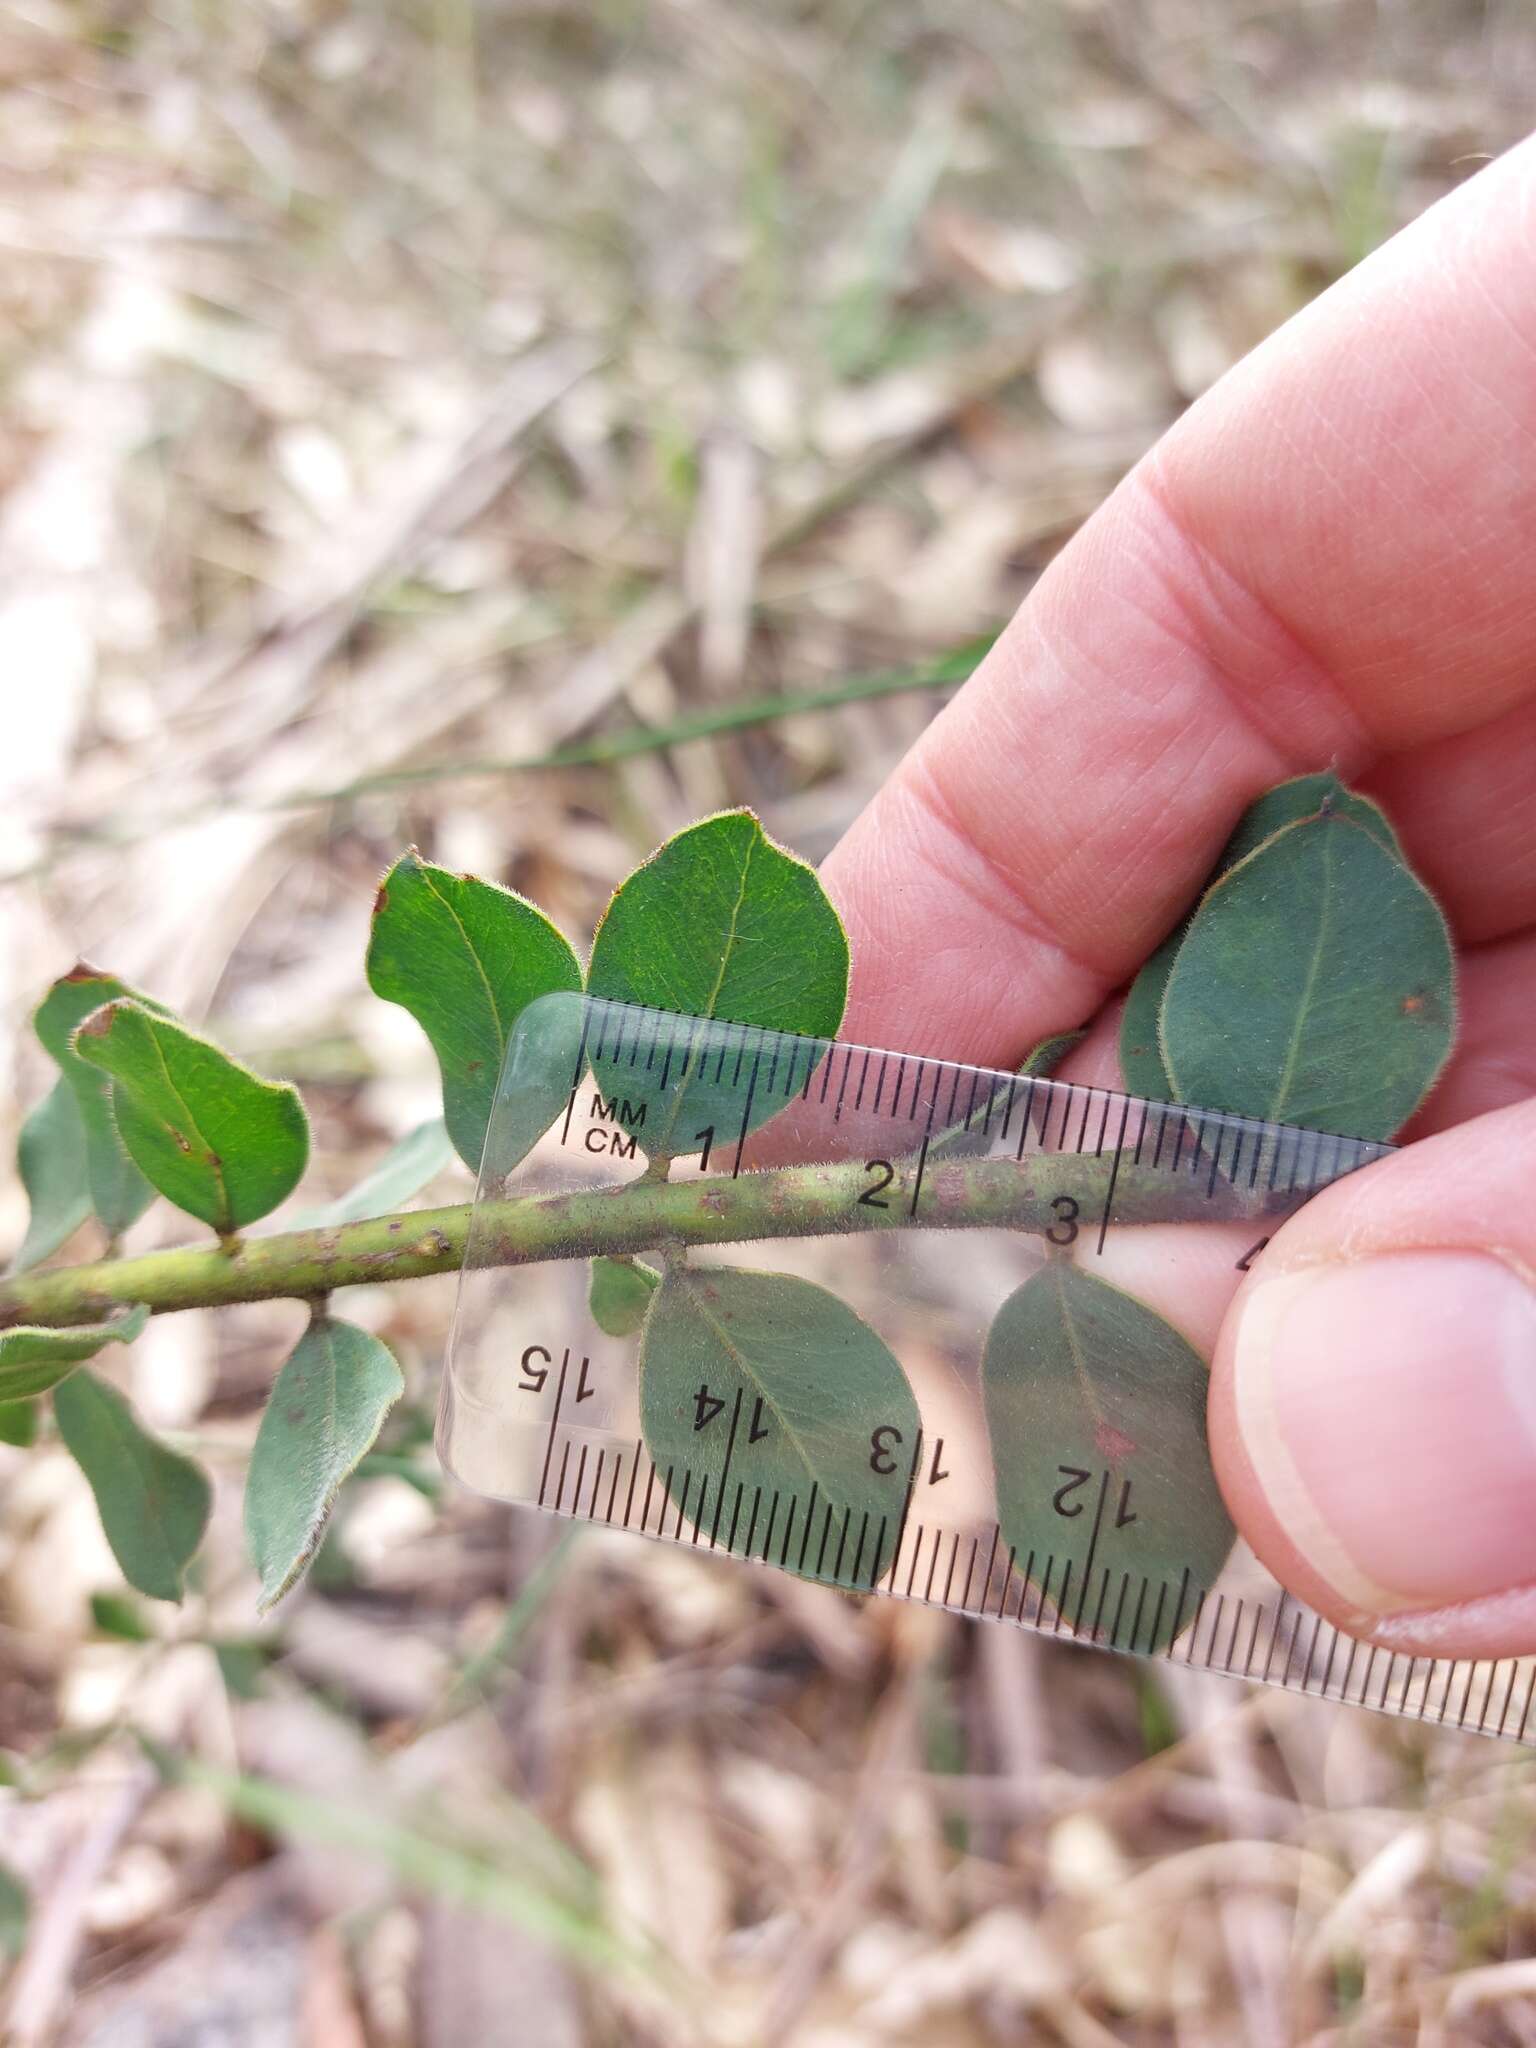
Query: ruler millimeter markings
940	1189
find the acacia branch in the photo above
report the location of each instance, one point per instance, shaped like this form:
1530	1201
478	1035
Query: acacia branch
637	1216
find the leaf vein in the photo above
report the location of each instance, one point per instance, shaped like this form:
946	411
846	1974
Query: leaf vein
471	949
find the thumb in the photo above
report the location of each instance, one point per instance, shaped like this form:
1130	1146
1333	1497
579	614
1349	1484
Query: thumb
1373	1403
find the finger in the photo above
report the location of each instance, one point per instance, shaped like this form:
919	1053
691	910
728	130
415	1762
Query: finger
1308	568
1494	1063
1373	1405
1465	810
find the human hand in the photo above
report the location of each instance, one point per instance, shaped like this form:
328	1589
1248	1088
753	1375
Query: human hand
1327	561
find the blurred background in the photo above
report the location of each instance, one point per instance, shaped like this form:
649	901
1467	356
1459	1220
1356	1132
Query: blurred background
519	429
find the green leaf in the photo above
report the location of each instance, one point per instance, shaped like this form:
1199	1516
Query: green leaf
219	1141
242	1665
1050	1052
324	1412
545	1058
1316	985
1141	1054
406	1168
1096	1413
973	1137
50	1157
153	1502
721	923
14	1909
33	1361
18	1424
1305	796
114	1614
807	1456
427	1480
119	1192
1161	1727
465	957
620	1294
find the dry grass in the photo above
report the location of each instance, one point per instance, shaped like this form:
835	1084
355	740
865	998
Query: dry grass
397	383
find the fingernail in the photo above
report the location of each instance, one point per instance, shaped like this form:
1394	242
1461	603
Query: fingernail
1388	1409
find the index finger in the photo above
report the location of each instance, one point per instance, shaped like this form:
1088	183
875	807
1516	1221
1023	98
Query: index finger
1326	560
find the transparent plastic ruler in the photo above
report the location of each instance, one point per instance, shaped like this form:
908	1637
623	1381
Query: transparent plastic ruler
856	1317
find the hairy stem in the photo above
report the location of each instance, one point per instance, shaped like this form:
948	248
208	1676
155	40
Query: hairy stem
637	1216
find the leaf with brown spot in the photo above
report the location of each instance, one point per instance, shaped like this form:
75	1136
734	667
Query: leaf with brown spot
1316	985
1096	1413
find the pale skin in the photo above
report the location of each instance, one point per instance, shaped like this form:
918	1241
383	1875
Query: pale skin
1331	559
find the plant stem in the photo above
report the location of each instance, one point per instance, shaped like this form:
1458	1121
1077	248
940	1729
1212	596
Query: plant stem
637	1216
945	671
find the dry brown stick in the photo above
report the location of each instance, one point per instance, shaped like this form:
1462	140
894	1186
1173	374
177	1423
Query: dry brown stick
43	1975
456	482
649	628
891	1746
